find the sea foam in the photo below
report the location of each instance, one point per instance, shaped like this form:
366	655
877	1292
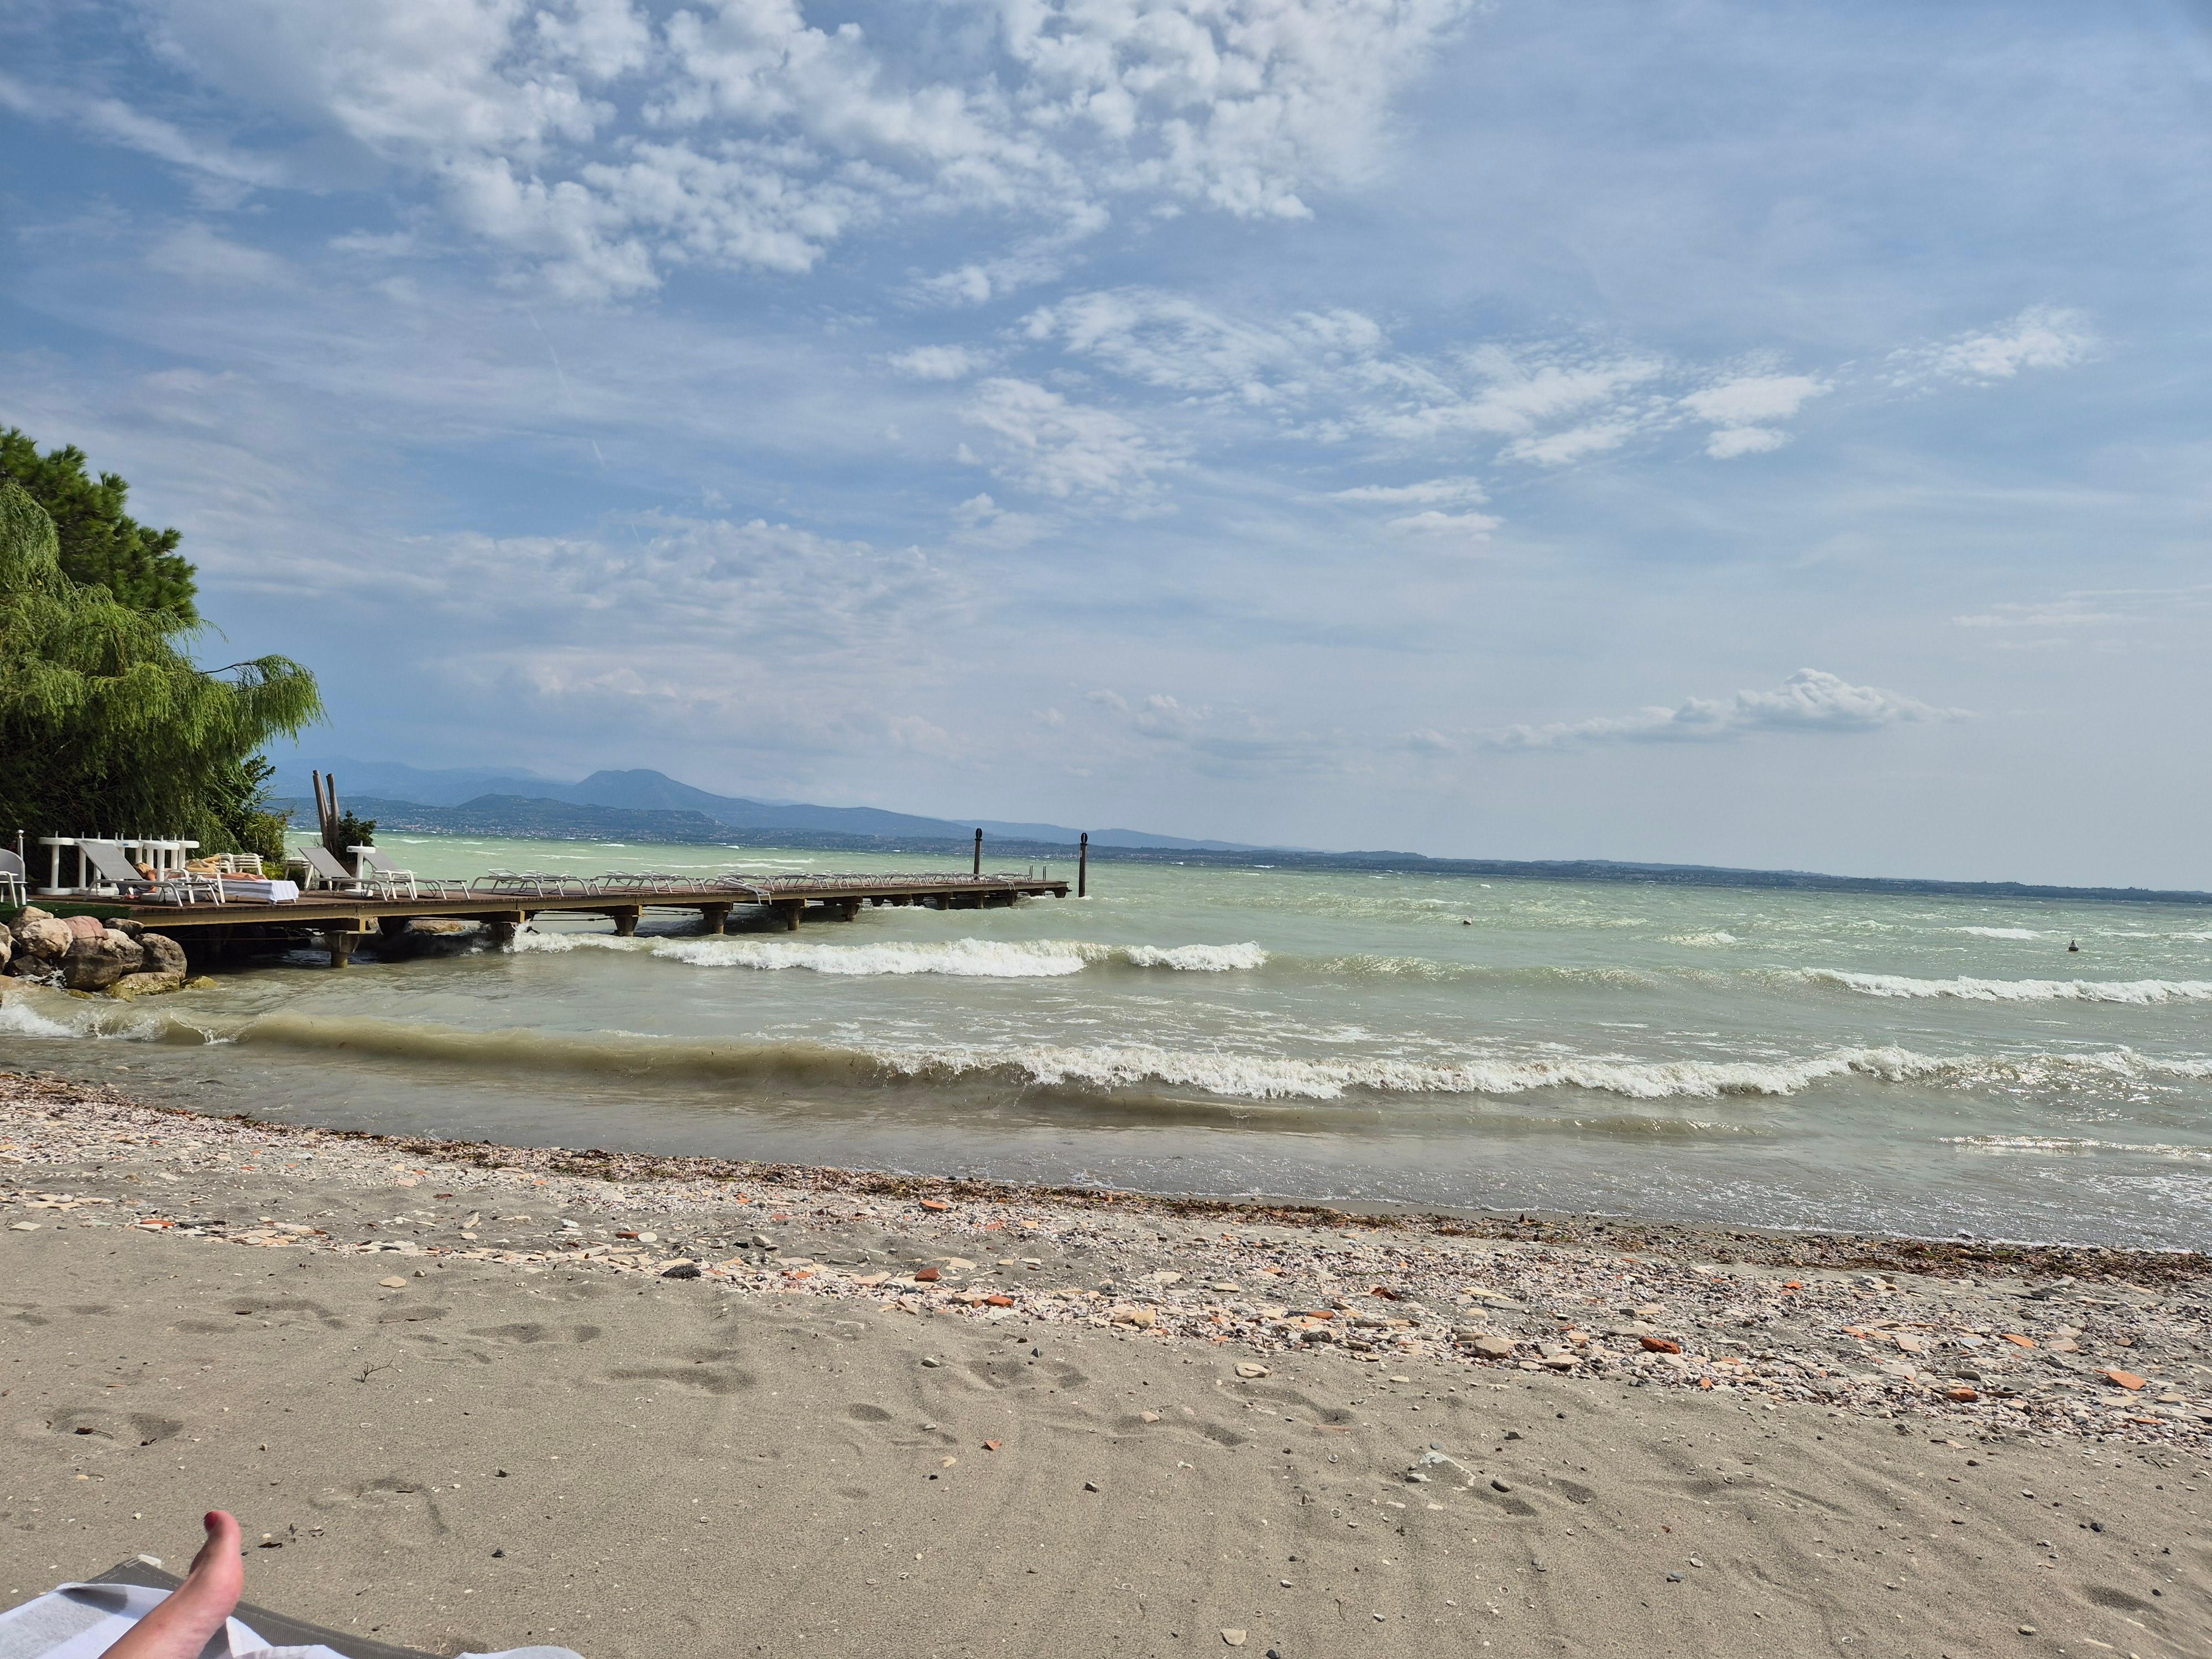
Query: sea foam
2145	992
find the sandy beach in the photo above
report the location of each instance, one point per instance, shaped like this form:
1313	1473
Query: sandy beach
472	1396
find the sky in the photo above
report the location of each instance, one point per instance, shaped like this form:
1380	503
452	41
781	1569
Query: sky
1761	434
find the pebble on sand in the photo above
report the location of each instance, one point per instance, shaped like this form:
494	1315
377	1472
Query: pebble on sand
394	1283
1249	1370
1235	1638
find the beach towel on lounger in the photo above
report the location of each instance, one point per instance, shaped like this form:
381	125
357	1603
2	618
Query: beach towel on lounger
83	1621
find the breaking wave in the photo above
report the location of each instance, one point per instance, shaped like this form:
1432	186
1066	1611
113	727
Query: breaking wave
965	958
1997	932
2144	991
2074	1144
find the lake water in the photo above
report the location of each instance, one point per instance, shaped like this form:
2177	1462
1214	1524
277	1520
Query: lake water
1920	1065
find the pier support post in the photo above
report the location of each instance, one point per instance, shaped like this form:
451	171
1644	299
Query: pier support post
978	852
1083	867
714	918
500	933
339	942
789	910
625	922
849	909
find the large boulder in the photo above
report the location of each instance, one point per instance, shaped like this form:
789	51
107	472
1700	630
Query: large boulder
163	954
7	948
84	927
94	964
42	938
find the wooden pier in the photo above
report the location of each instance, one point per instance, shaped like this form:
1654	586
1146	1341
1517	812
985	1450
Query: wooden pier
342	919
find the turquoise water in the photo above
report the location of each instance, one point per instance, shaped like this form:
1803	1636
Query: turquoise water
1924	1065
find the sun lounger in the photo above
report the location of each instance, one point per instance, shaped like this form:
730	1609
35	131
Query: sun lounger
111	869
14	887
373	867
326	874
81	1621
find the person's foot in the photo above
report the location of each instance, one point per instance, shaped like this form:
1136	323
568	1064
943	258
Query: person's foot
195	1610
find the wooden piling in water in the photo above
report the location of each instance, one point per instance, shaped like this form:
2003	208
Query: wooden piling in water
978	852
1083	867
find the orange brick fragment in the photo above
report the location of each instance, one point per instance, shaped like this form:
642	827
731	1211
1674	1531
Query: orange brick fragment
1661	1345
991	1445
998	1302
934	1204
2018	1340
1793	1284
926	1276
1963	1396
2126	1379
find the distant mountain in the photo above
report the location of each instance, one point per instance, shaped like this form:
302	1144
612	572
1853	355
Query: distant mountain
644	790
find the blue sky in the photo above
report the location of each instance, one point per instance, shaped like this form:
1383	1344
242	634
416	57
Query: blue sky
1751	434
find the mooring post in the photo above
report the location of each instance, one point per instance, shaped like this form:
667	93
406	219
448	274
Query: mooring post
714	918
978	852
1083	867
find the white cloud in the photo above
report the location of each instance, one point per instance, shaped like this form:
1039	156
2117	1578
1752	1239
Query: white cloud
1744	408
1810	700
1463	526
1046	444
1559	448
591	140
1434	492
1732	442
2041	336
198	254
939	362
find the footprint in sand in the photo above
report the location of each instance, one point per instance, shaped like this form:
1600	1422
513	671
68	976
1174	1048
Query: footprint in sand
535	1332
705	1375
114	1429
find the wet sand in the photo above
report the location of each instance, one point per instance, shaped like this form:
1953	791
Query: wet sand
889	1415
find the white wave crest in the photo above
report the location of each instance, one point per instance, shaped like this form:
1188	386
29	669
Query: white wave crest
1271	1077
1715	937
2144	992
1997	932
19	1019
963	958
2070	1144
1197	959
527	940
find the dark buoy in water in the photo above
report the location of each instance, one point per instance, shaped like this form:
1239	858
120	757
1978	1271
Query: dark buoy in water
2071	945
1464	921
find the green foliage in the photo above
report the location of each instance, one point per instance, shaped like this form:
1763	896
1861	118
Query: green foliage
99	544
106	726
355	832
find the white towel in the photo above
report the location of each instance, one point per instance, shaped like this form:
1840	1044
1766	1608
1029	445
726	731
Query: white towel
273	892
83	1621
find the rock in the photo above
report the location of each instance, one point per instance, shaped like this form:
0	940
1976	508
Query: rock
1248	1370
932	1361
95	963
1500	1486
681	1270
393	1284
1143	1318
1091	1486
45	938
129	928
1148	1417
762	1242
7	946
1488	1345
935	1204
163	954
1235	1638
1963	1396
926	1276
84	927
1659	1345
1651	1310
146	985
2127	1380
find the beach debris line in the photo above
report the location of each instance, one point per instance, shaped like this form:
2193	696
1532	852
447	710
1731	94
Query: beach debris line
2043	1354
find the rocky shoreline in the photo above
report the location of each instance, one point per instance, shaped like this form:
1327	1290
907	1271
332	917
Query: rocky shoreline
2042	1342
89	954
